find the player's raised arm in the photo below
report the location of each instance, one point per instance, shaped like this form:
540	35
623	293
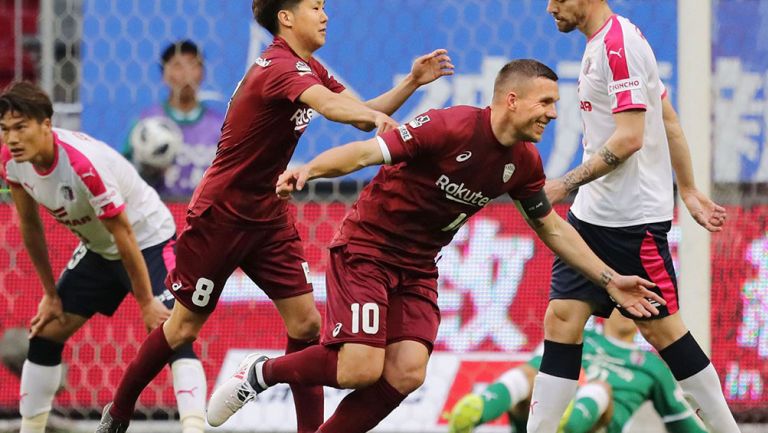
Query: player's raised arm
153	312
32	233
334	162
425	70
707	213
343	109
627	139
631	292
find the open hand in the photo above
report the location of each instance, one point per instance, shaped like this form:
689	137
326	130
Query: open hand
632	294
291	180
432	66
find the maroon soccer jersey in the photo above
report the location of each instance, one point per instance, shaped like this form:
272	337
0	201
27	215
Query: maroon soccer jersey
446	166
262	127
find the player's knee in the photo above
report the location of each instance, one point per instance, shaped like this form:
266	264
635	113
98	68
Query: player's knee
407	381
306	327
359	376
182	334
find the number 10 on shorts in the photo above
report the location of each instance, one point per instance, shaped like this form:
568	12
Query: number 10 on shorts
368	315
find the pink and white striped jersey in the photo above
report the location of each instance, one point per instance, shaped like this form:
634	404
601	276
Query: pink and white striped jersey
619	73
90	181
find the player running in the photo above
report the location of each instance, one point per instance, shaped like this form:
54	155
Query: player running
623	210
621	378
440	169
126	245
236	221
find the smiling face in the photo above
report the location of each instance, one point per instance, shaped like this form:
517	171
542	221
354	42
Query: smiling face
533	108
27	139
568	14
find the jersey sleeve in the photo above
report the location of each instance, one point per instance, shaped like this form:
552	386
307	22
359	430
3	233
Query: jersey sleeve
626	72
288	79
535	179
421	136
100	183
5	172
328	80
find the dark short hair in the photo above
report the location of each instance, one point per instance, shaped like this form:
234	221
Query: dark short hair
522	69
184	46
27	100
265	12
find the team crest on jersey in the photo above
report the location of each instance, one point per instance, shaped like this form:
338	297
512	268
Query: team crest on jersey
302	67
417	122
262	62
67	193
509	170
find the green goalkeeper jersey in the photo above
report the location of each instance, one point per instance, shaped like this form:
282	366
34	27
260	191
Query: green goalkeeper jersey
635	375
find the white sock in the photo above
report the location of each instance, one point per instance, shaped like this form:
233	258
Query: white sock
704	387
38	387
517	384
191	391
551	395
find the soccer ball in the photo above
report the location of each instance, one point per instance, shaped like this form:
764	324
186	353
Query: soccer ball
156	141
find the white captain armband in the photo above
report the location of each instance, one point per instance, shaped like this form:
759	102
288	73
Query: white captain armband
384	150
536	206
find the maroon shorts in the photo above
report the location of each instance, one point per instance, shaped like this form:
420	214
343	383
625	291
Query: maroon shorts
377	304
208	253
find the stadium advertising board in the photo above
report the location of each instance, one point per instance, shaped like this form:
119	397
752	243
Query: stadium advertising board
493	290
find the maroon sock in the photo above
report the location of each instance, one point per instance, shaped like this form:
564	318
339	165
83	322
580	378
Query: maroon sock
315	365
153	354
308	400
363	409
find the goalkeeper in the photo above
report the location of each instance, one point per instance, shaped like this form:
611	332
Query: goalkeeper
620	378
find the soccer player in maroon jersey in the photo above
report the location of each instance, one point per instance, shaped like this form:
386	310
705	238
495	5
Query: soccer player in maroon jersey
382	314
235	220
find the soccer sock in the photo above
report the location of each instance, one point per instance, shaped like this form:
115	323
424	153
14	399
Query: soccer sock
590	403
153	354
696	375
496	402
308	400
363	409
509	390
554	386
191	391
38	388
315	365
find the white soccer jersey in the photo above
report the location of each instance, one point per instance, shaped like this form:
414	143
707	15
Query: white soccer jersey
619	73
89	180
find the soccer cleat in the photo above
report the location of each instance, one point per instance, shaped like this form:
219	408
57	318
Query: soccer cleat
109	424
466	414
236	391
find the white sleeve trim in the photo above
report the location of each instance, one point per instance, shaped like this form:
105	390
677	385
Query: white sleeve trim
384	150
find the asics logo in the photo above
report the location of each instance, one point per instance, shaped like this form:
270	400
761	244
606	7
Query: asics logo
337	329
464	156
616	53
244	395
